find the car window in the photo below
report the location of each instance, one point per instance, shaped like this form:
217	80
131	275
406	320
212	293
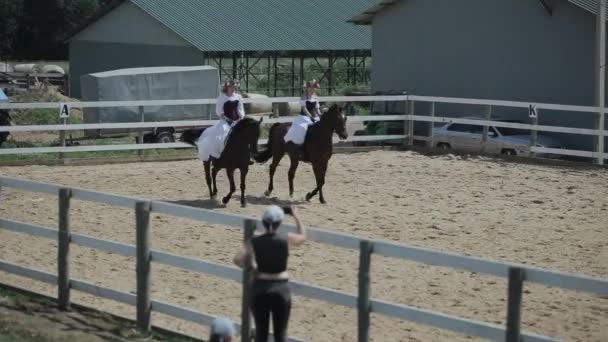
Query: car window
460	128
513	131
477	129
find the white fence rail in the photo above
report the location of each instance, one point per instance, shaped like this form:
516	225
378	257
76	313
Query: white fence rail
409	118
471	327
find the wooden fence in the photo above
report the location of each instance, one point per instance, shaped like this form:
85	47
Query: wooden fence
145	255
409	117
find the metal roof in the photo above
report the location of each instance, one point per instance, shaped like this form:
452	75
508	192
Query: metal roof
590	5
365	17
263	25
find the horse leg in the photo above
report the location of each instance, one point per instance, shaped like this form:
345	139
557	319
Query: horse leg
276	159
244	172
293	166
321	181
207	167
230	173
214	177
317	171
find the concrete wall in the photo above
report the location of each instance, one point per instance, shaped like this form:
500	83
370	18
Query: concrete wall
494	49
127	38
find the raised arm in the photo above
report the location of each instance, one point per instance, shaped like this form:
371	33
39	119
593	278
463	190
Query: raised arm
219	107
241	107
298	238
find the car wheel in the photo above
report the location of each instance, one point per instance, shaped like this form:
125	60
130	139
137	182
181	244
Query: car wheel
443	146
508	152
165	138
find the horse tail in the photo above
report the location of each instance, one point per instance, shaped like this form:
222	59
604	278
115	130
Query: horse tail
265	155
191	136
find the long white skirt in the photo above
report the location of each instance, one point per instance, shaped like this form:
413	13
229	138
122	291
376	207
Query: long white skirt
212	140
297	131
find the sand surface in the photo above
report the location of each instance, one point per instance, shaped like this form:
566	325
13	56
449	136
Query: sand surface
553	217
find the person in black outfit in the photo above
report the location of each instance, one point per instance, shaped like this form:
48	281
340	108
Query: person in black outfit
270	288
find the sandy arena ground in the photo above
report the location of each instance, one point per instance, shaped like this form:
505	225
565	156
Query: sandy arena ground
552	217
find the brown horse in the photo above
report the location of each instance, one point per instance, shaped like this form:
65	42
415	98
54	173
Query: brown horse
241	146
317	149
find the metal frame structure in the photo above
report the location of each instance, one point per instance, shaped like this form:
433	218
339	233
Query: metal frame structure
254	66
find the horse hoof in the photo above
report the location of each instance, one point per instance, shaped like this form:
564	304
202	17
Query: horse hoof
243	205
322	201
225	200
308	197
267	193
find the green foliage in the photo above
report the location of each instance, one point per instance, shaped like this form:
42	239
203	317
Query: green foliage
10	11
43	116
35	29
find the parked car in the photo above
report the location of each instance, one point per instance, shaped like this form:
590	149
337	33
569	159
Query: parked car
501	140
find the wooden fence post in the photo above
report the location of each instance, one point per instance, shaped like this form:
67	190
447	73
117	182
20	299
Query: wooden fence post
140	134
430	143
63	250
144	307
249	229
363	304
486	128
516	282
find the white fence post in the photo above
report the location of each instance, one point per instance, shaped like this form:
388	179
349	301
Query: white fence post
430	143
408	125
600	138
140	134
534	133
486	128
64	121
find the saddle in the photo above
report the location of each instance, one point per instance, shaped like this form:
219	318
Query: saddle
303	154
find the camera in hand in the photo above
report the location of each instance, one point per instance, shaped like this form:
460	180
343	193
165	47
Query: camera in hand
287	210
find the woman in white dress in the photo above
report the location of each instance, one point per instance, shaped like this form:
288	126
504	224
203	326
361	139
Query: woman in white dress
230	110
309	114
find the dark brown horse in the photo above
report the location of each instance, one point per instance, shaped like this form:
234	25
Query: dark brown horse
317	149
241	146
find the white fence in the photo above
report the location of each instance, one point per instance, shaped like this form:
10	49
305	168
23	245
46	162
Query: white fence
516	273
408	118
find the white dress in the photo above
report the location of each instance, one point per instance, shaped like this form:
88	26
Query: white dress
212	141
299	126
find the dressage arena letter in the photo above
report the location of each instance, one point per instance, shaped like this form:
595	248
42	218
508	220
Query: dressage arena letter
64	111
532	111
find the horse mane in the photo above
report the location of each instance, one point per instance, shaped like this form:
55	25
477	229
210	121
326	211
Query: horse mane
243	124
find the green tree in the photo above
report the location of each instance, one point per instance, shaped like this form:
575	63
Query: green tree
77	12
10	12
45	25
38	29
